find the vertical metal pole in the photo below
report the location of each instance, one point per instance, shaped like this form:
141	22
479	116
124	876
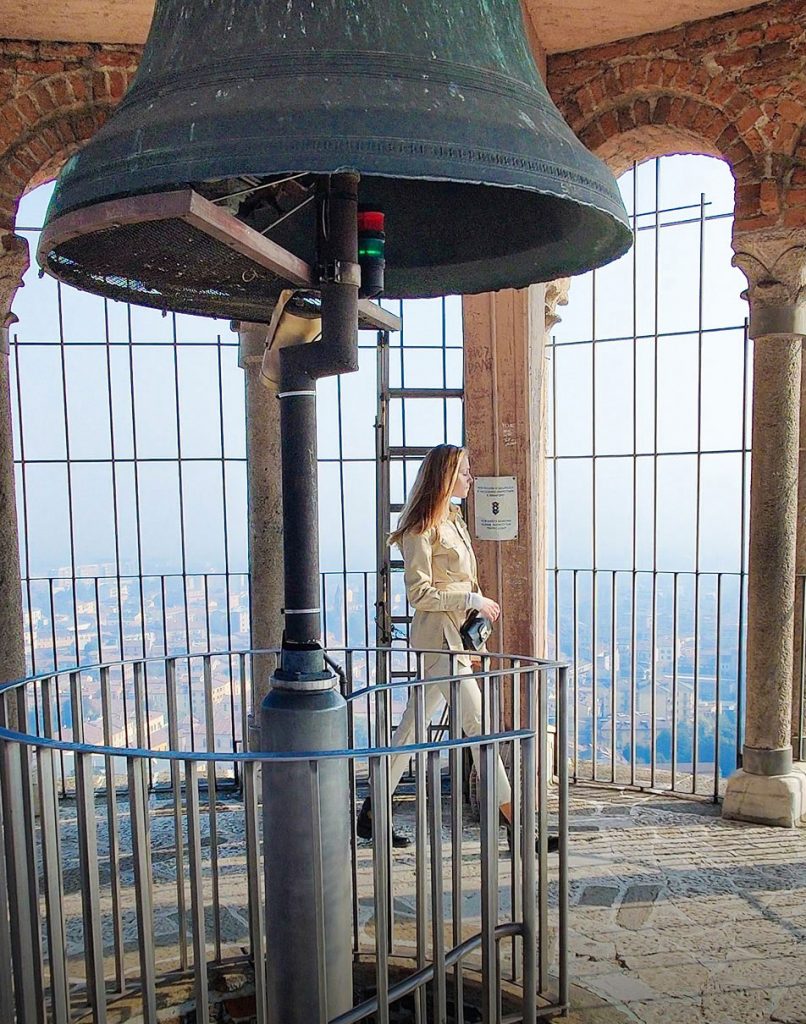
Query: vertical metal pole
114	834
52	867
562	782
303	710
421	881
144	904
530	938
746	365
439	1013
717	685
455	757
88	861
211	800
176	793
675	629
196	894
379	788
21	879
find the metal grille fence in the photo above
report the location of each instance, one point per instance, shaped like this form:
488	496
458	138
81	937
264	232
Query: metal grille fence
648	476
123	899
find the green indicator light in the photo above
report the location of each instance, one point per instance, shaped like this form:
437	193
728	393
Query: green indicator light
372	247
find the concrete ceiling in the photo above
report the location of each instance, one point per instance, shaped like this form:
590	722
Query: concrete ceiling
560	24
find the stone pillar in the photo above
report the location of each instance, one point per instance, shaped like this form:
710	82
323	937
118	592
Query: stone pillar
265	506
504	344
768	789
798	680
13	264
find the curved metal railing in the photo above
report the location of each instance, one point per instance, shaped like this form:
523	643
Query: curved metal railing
132	858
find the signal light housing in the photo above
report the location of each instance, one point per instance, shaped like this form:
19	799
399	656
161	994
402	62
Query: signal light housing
371	252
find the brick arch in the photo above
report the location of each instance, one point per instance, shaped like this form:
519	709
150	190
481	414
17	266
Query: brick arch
794	178
706	109
48	122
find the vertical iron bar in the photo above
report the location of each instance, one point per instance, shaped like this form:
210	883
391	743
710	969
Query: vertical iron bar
576	672
212	800
595	576
675	628
543	830
176	793
516	889
19	880
113	828
613	665
379	789
455	760
51	870
439	1010
529	797
747	365
348	676
68	468
489	882
196	891
142	742
698	496
144	903
88	861
257	936
563	883
634	578
656	326
717	715
421	838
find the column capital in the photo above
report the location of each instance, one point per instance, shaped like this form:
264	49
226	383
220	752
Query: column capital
774	263
252	342
556	295
14	261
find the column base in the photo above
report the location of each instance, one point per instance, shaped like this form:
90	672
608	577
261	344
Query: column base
767	799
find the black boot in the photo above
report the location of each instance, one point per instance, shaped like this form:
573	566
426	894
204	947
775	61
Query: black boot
363	826
553	841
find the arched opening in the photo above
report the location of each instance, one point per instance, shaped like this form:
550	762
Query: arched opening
648	482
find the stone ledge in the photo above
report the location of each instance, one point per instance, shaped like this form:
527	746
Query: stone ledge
767	799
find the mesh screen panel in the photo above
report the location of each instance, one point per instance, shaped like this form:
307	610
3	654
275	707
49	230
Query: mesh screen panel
167	264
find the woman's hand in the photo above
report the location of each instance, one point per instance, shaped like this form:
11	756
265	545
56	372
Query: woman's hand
490	609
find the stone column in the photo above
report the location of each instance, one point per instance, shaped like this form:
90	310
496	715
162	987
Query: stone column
13	264
799	683
768	789
265	506
504	342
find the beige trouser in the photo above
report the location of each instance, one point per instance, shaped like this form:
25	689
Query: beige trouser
435	666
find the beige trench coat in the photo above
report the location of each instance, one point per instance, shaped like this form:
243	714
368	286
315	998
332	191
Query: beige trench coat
440	571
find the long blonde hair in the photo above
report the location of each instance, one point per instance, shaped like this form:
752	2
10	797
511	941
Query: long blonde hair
430	496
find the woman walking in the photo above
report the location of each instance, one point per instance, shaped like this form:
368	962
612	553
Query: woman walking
442	587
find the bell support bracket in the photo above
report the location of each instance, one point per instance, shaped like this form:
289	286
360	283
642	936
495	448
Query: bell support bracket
216	223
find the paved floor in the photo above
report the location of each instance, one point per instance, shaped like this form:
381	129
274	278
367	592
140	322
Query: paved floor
680	917
677	917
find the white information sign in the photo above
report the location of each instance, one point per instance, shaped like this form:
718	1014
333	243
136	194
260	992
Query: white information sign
496	507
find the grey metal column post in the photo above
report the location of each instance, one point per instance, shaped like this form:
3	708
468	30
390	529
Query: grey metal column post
768	789
306	822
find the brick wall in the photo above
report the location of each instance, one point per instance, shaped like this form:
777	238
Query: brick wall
732	86
53	97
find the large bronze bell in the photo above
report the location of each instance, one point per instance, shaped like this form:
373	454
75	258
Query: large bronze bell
437	105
